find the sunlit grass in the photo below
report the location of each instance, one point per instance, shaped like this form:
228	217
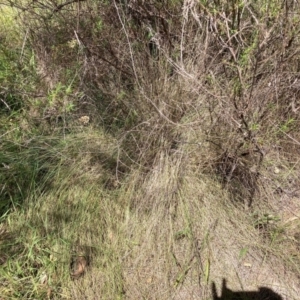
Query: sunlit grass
140	188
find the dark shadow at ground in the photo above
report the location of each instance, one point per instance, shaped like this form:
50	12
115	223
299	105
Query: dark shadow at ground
226	294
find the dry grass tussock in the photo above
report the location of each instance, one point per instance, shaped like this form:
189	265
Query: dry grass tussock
190	235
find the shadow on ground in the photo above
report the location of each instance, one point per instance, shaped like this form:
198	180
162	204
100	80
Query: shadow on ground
262	294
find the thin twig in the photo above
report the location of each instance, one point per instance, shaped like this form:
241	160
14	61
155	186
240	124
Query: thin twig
23	45
5	104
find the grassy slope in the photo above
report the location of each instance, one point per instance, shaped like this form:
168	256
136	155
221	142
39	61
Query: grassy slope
164	234
190	235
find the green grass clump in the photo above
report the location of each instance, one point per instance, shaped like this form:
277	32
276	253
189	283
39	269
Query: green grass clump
64	213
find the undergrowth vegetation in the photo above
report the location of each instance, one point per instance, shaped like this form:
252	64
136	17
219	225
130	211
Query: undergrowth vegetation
149	148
